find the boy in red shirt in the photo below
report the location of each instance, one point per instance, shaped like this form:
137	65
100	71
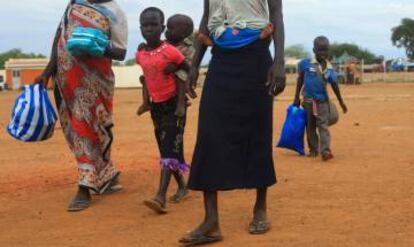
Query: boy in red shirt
159	60
179	28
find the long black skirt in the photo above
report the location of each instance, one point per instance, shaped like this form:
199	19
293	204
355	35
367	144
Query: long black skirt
234	140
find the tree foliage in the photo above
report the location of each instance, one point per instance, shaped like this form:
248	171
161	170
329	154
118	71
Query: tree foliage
130	62
297	51
337	49
403	36
16	53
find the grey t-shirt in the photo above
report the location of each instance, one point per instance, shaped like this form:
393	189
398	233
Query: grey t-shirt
253	14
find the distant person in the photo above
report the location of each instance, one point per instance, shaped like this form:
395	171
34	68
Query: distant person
159	61
234	147
179	29
314	75
84	89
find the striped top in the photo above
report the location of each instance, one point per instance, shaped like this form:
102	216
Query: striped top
252	14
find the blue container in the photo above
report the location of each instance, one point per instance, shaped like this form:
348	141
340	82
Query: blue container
87	41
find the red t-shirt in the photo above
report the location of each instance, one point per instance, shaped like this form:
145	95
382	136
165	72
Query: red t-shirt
160	87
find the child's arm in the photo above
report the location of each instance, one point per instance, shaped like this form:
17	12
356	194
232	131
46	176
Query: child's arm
299	86
172	67
335	88
141	46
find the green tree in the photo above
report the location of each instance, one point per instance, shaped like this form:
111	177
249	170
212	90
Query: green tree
337	49
297	51
403	36
130	62
16	53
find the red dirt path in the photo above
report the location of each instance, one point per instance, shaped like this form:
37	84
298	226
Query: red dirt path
364	197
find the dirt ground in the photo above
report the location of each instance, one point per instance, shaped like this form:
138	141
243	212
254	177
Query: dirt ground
364	197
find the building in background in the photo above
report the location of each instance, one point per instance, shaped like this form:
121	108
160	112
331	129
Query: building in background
3	85
127	76
20	72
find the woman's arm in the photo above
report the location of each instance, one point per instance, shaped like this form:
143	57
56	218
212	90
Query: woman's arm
299	85
51	68
277	77
115	53
200	50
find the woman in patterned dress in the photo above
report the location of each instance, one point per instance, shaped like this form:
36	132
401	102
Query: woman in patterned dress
84	88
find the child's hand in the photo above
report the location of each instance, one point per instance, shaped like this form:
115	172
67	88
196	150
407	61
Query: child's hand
142	80
170	68
191	82
190	90
141	46
343	106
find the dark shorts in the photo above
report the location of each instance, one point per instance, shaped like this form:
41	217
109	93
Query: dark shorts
169	133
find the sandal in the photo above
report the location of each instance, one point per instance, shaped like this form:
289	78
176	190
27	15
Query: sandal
78	205
200	239
113	189
156	206
111	186
259	227
177	198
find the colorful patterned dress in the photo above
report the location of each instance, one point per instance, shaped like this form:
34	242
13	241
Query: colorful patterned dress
86	88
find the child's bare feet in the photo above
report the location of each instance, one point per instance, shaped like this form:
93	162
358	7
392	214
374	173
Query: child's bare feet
143	109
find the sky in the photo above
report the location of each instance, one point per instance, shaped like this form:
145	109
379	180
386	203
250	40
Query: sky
30	24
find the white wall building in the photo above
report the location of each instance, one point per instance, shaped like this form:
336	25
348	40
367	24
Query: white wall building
127	76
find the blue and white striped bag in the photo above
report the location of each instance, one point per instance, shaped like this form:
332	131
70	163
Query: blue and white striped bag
33	118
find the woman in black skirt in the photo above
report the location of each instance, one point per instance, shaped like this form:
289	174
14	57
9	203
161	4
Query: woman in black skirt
234	141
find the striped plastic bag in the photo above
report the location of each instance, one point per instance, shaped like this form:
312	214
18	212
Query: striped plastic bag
33	118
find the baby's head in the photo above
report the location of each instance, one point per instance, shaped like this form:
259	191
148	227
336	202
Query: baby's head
152	24
179	27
